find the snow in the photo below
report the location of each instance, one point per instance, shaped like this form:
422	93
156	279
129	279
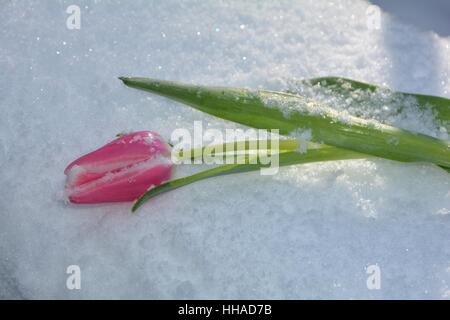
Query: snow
308	232
382	105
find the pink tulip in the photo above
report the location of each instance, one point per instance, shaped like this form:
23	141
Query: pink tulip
122	170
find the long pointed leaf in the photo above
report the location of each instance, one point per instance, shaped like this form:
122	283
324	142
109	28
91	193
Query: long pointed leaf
345	86
288	113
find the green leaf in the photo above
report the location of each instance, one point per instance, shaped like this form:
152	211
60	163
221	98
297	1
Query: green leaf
290	113
324	153
344	86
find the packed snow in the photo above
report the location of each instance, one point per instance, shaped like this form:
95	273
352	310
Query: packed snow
311	231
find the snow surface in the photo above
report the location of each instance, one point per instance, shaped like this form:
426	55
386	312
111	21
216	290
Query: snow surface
309	232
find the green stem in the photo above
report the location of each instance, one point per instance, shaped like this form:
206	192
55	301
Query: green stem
284	145
325	153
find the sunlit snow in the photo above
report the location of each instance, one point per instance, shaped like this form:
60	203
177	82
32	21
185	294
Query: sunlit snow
310	231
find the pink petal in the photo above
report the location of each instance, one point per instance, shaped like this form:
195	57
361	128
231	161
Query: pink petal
121	170
119	187
122	152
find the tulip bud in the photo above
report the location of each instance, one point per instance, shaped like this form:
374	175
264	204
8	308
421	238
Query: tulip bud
121	170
